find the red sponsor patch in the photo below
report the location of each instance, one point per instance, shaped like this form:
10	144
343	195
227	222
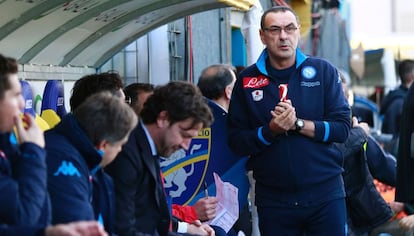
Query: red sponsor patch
255	82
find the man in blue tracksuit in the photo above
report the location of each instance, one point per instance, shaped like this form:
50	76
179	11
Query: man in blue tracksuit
299	188
23	195
78	148
24	202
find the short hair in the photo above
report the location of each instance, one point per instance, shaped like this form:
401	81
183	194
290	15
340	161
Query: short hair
214	80
8	66
274	10
181	100
90	84
132	91
405	69
104	116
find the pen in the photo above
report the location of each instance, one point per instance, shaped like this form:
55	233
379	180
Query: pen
205	189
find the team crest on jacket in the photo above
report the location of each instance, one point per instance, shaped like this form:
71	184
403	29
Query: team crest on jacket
255	82
309	72
257	95
184	171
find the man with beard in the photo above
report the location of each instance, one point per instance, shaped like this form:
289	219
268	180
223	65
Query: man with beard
171	117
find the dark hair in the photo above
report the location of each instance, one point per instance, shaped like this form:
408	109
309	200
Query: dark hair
8	66
274	10
405	68
214	80
104	116
181	100
90	84
132	91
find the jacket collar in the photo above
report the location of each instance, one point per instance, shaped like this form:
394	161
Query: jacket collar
144	146
261	62
69	127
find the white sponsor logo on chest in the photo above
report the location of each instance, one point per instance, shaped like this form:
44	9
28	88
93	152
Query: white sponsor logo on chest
257	95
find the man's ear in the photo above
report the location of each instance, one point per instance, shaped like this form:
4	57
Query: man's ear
100	148
261	32
227	92
163	119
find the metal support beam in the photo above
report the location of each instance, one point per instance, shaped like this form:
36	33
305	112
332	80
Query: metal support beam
115	24
112	51
29	15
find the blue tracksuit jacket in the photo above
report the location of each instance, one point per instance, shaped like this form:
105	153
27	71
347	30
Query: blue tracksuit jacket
78	188
291	169
23	194
6	230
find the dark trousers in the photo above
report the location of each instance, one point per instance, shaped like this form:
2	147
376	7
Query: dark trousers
327	219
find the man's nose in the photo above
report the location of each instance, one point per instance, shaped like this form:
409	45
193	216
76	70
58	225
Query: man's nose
21	104
186	143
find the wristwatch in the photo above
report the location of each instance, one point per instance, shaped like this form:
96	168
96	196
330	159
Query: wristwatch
299	123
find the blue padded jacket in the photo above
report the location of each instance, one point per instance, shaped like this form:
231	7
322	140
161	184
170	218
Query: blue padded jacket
78	188
24	199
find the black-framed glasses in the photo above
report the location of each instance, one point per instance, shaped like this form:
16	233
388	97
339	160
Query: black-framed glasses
276	30
128	100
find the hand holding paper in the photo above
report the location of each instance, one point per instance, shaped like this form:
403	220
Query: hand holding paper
227	211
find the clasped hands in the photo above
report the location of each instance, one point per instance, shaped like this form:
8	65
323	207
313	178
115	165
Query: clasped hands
283	118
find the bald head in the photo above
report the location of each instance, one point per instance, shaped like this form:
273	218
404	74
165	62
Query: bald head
214	80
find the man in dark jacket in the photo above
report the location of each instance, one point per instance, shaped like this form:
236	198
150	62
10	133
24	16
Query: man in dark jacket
78	148
170	118
25	208
365	206
405	164
22	157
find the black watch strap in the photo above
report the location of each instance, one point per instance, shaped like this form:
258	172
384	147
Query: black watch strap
299	123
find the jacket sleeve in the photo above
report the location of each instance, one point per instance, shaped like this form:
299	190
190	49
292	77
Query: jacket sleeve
185	213
382	165
352	145
23	190
336	122
125	179
70	188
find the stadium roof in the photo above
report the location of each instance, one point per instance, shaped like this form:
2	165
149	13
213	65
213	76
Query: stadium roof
86	32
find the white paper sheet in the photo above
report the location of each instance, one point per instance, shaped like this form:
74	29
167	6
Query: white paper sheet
228	204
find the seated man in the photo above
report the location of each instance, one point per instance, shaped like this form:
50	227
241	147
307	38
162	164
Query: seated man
25	208
170	118
84	142
364	160
138	94
203	210
22	163
215	83
94	83
365	206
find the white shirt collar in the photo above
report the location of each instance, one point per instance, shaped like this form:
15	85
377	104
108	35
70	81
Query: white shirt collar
150	140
